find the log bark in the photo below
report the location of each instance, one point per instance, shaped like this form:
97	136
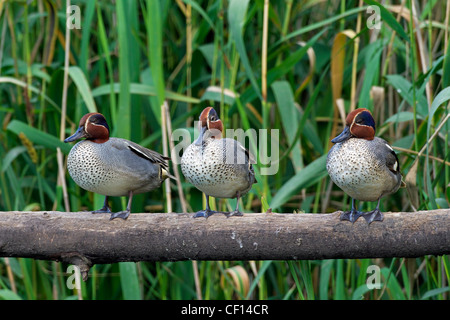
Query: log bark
85	239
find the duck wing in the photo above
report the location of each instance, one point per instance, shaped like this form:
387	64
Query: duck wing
144	153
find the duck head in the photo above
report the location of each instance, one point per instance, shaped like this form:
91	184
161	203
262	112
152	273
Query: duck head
359	124
93	127
210	126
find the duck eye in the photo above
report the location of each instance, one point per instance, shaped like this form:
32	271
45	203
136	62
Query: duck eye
213	118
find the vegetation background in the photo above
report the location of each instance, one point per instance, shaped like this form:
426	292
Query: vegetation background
295	66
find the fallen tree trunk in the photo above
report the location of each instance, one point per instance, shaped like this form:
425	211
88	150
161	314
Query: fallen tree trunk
85	239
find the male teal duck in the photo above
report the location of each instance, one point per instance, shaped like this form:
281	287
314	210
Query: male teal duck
112	166
219	167
364	166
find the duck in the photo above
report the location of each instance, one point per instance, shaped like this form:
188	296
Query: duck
365	167
217	166
113	167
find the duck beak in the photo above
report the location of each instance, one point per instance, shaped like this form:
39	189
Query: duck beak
80	133
199	140
345	135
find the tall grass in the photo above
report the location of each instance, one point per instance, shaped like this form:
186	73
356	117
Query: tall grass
294	66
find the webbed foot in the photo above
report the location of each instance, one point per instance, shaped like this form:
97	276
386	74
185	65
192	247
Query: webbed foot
204	213
104	209
234	213
374	215
351	215
121	214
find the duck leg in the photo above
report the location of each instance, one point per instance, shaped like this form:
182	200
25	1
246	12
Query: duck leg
236	212
351	215
207	212
123	214
105	208
374	215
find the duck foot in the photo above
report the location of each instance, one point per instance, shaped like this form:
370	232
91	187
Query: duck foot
374	215
234	213
351	215
121	214
104	209
204	213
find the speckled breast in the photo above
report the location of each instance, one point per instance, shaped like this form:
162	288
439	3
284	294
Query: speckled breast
355	168
215	170
107	170
87	169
